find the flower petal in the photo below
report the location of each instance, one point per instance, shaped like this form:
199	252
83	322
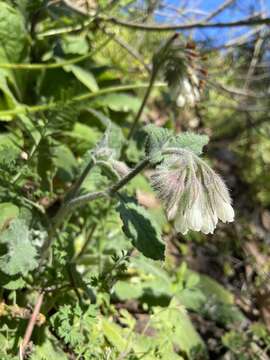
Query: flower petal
225	212
181	224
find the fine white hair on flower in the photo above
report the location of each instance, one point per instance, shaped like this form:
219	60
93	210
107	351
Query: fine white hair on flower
189	93
194	196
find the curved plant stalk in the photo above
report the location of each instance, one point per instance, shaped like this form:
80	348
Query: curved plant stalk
158	61
140	111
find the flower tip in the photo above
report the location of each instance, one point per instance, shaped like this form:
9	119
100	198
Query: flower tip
226	213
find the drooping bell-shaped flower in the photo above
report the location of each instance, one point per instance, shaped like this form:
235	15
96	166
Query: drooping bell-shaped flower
192	193
189	93
190	86
185	74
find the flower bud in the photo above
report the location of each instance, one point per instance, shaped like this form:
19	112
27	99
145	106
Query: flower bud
120	167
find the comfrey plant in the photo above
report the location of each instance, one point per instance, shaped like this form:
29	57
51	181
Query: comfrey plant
193	195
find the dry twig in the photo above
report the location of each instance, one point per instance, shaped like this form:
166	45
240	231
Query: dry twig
31	325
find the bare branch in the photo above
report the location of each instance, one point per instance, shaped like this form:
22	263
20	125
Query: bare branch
219	9
250	21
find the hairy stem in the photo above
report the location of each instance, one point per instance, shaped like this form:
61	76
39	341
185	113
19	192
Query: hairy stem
111	191
84	199
76	186
143	164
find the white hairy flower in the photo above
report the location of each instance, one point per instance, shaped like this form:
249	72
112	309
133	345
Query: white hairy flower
192	193
188	90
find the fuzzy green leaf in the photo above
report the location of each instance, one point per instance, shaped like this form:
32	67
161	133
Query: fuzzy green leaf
160	139
21	254
139	226
190	141
156	141
113	138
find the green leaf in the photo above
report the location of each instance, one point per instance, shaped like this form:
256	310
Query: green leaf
192	280
174	323
139	226
113	137
113	140
211	288
84	76
15	284
190	141
114	335
48	349
125	290
156	141
201	288
13	36
8	211
72	44
148	266
11	140
160	139
83	137
13	49
209	298
21	254
65	162
155	347
224	314
30	127
192	299
11	282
